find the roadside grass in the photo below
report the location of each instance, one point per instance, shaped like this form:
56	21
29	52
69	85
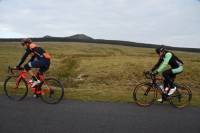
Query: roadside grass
103	72
1	89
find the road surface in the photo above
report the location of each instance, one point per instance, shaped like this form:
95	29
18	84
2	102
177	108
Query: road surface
33	116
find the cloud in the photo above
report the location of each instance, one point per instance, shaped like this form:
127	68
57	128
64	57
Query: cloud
165	21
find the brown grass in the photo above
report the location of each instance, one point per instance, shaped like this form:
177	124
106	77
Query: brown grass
100	72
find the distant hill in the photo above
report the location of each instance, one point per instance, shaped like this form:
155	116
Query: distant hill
47	36
74	37
80	37
85	38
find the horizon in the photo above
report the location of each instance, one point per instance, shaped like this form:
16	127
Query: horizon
170	22
91	38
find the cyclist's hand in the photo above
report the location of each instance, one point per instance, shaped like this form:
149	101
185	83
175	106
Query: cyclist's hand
147	74
154	73
17	67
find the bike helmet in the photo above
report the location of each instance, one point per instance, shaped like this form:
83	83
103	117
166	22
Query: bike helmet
26	41
160	49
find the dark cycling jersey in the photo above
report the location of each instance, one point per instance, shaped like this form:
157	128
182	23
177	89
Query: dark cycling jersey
167	58
37	52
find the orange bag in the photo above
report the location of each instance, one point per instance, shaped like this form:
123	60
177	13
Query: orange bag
47	55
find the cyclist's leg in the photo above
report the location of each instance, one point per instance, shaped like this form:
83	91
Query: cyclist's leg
174	73
40	75
28	67
44	66
166	84
177	70
173	76
35	64
170	76
167	79
172	88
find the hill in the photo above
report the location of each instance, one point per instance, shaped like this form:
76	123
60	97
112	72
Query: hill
80	37
87	39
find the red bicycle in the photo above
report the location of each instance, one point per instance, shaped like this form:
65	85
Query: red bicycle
16	86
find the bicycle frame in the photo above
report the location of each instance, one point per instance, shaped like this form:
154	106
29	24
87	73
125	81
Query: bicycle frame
146	93
154	83
17	84
23	75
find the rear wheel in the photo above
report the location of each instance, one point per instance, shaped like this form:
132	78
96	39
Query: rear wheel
52	91
144	94
15	90
181	97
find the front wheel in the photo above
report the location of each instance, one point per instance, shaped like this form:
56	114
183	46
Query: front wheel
181	97
144	94
16	89
52	91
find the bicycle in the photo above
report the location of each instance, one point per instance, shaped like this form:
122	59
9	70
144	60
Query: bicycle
146	93
17	84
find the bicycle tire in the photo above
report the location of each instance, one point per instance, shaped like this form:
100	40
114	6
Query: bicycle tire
181	97
144	94
13	91
53	91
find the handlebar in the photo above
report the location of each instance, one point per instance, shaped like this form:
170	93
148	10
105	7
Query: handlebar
149	75
11	69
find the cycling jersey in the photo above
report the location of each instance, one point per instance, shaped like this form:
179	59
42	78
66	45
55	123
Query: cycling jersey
171	59
37	52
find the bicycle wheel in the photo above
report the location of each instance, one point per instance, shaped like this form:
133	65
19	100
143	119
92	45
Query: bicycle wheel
15	91
181	97
144	94
52	91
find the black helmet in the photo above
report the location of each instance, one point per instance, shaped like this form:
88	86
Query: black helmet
25	41
160	49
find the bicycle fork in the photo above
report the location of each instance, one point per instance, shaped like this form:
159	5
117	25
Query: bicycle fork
147	91
17	82
150	86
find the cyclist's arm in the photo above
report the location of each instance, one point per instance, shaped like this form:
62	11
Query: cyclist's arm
157	65
165	62
27	52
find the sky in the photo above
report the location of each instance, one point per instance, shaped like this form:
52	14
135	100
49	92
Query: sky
167	22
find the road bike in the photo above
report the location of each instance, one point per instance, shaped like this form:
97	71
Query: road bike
146	93
17	84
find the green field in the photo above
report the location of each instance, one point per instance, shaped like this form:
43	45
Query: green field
101	72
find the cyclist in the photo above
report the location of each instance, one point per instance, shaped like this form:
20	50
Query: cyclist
166	58
40	59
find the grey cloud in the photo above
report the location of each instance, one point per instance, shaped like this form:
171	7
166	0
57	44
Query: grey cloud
165	21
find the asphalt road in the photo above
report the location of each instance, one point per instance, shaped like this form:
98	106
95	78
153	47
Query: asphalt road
34	116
